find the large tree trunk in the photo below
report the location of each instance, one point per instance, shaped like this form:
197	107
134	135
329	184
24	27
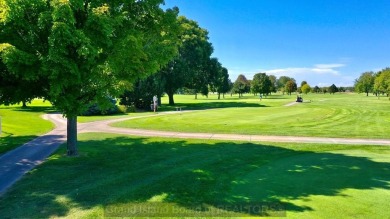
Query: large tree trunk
219	96
171	101
72	136
196	96
367	94
24	104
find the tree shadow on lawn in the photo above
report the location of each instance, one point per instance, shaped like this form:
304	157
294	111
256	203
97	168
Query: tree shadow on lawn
9	141
42	109
125	170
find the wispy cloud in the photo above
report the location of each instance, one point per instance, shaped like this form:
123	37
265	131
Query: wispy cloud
292	72
329	66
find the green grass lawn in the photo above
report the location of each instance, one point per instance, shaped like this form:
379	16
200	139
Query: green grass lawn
338	115
310	180
20	125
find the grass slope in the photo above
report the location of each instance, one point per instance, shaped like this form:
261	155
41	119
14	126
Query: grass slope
338	115
311	180
20	125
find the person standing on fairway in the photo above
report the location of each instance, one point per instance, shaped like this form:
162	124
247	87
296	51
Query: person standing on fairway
155	100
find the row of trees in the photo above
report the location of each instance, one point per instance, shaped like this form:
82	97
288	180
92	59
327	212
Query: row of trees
264	84
305	88
192	68
75	53
374	82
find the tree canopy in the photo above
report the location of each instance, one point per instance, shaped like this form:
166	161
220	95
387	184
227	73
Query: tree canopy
82	51
190	67
220	81
365	83
290	86
316	89
261	84
333	89
241	85
282	81
306	88
274	83
382	81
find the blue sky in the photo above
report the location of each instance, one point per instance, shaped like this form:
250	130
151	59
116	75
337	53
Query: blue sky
320	41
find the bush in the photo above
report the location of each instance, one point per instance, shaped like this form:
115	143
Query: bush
126	109
95	109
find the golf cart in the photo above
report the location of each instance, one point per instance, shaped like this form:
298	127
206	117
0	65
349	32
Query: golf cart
299	99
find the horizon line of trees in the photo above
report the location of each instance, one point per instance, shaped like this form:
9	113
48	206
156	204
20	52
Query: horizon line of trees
263	84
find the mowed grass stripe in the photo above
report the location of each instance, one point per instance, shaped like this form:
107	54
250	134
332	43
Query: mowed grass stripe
338	115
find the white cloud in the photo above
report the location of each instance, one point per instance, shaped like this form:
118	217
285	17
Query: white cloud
292	72
329	66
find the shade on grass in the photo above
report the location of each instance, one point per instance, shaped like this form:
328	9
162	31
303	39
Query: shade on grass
310	180
338	115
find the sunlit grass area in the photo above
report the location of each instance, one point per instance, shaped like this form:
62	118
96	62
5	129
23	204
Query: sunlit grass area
309	180
212	101
325	115
20	125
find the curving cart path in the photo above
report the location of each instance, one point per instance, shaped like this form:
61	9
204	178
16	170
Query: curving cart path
15	163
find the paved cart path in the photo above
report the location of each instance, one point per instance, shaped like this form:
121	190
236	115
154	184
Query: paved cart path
14	164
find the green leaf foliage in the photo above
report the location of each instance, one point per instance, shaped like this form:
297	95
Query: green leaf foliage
141	95
306	88
365	83
241	85
80	51
333	89
220	77
261	84
76	53
282	81
274	83
382	81
190	67
290	86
